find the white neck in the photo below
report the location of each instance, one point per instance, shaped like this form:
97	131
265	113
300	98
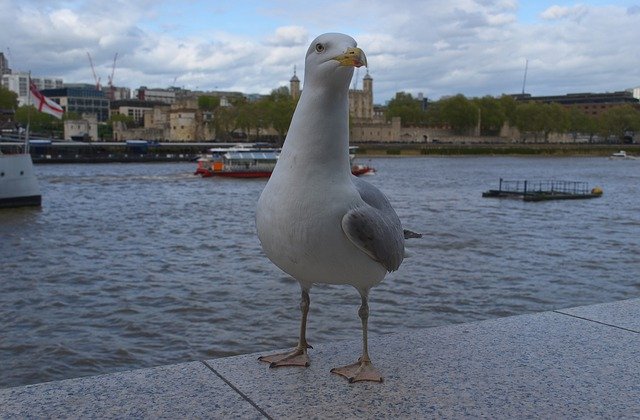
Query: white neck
319	141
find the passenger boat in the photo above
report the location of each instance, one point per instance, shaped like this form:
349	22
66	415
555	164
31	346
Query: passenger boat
18	183
238	162
248	161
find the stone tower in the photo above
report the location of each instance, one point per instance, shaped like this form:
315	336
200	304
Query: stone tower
361	101
294	85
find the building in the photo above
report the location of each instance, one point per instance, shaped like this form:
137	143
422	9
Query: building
294	86
166	96
120	93
361	101
133	108
4	65
592	104
81	99
635	92
84	129
19	83
188	123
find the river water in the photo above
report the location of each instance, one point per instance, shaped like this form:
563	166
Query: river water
135	265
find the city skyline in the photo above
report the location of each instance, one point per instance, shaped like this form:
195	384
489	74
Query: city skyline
437	48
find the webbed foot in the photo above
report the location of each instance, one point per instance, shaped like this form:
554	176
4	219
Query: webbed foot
359	371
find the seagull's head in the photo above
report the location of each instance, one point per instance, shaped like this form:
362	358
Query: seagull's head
332	57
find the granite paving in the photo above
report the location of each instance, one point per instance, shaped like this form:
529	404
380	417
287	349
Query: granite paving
571	363
546	365
622	314
188	390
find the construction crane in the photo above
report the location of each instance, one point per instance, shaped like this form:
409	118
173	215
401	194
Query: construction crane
93	70
112	89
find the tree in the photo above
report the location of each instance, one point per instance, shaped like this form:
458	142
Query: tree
530	118
8	99
556	119
508	105
126	119
407	108
279	111
459	113
208	103
39	122
618	121
492	115
581	123
224	122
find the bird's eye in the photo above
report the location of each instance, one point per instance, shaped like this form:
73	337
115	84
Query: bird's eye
319	47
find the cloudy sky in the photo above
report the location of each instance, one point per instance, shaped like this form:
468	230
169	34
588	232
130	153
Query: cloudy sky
434	47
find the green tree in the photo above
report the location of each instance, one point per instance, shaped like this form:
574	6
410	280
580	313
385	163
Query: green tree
618	121
279	111
208	103
556	119
492	115
433	115
529	118
39	122
581	123
224	122
459	113
407	108
8	99
126	119
508	105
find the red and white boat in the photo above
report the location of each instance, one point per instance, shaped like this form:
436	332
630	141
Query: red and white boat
252	162
238	162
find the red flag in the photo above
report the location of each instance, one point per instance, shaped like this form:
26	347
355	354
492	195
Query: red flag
44	104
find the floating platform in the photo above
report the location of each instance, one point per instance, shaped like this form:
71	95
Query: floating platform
544	190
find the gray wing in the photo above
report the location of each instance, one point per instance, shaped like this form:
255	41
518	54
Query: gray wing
375	228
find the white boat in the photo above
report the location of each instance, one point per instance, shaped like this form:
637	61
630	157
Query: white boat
622	155
247	161
18	183
238	162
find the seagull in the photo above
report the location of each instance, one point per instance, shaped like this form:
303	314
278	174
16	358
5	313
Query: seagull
315	220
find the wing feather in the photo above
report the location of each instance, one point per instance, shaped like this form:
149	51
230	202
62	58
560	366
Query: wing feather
374	227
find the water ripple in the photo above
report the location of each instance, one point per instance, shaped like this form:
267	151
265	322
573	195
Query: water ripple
128	266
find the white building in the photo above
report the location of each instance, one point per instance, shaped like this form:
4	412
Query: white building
635	92
18	82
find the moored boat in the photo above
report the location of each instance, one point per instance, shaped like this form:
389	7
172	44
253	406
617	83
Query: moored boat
18	183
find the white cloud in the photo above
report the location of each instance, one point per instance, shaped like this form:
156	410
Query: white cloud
563	12
440	47
289	36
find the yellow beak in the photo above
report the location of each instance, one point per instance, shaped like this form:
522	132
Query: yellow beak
353	57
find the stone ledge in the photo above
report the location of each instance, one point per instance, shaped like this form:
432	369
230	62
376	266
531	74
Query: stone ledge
579	362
